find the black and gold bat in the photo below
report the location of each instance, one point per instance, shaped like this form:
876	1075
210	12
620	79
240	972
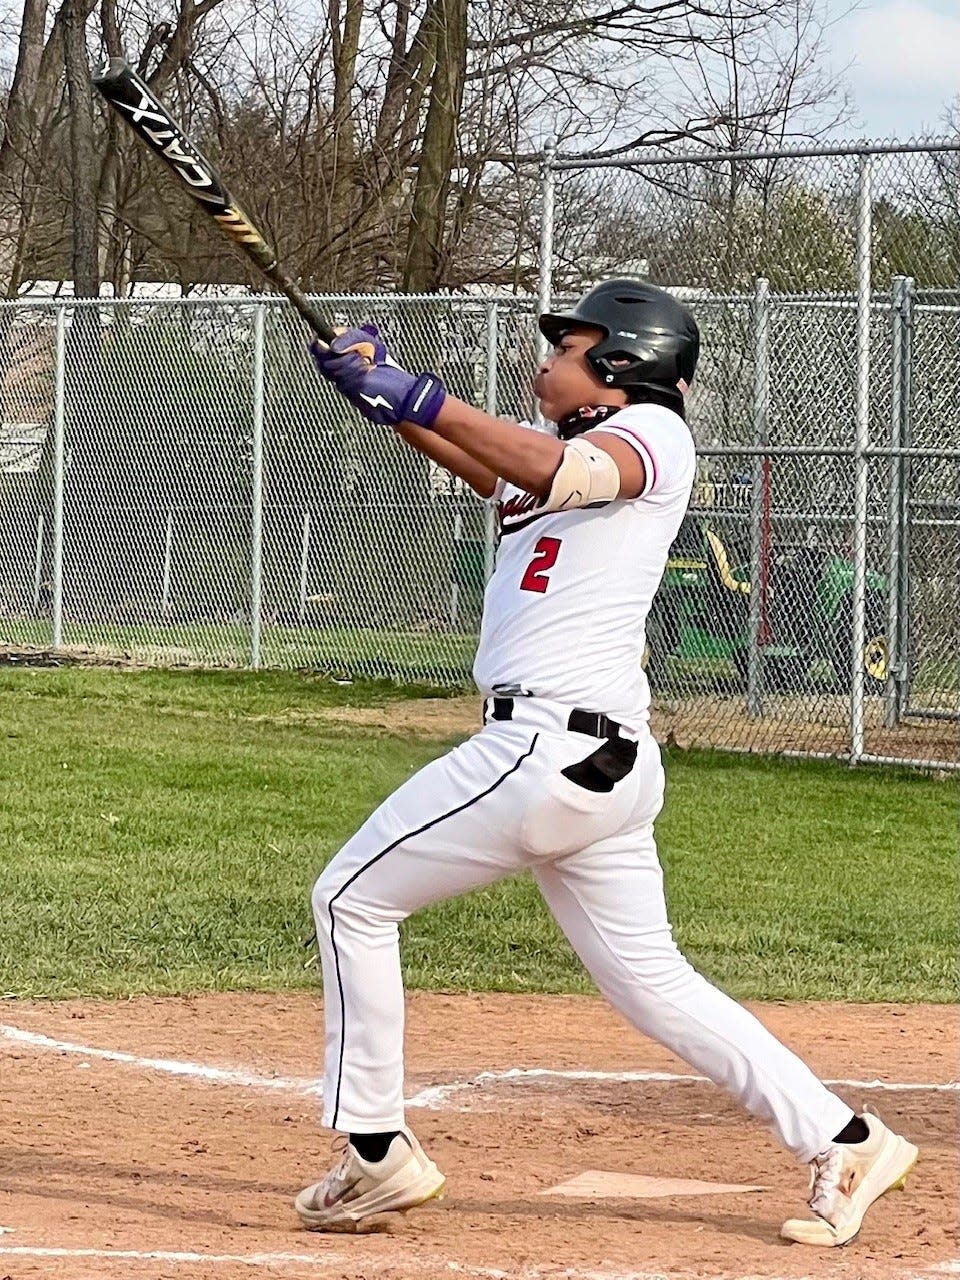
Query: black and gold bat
153	124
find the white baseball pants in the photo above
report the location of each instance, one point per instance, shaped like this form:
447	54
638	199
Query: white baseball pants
496	805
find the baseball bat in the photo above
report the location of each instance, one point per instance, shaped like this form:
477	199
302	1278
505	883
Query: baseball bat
153	124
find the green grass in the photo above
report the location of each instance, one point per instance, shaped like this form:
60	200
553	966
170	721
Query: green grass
437	655
160	831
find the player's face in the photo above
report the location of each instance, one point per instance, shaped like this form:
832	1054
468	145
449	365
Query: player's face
565	381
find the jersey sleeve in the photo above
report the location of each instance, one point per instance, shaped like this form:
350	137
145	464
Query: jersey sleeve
663	441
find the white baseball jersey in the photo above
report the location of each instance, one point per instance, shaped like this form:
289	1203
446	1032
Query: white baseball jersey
565	609
563	621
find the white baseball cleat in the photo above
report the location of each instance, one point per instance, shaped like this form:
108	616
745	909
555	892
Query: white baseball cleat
845	1179
355	1188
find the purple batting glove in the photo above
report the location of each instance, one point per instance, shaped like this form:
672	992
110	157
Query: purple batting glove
356	362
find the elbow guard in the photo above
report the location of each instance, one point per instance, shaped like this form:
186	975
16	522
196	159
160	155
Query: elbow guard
586	477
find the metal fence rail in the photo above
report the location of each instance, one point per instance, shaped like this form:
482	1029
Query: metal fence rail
177	486
813	605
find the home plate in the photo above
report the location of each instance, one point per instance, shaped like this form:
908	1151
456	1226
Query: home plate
595	1184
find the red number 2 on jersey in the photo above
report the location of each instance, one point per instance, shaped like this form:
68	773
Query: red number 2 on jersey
544	558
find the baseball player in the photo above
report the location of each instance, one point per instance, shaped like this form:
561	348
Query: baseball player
564	779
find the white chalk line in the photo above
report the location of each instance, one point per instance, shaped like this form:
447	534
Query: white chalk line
197	1071
319	1262
434	1097
170	1066
644	1077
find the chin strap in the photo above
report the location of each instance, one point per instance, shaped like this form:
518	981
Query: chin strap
574	424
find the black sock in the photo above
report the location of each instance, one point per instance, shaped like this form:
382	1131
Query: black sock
372	1147
855	1131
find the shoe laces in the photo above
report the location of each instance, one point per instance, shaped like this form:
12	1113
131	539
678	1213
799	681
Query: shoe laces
826	1172
334	1176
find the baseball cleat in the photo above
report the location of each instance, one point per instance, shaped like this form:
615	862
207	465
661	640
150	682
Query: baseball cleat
845	1179
355	1189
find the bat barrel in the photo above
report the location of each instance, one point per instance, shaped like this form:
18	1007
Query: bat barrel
136	104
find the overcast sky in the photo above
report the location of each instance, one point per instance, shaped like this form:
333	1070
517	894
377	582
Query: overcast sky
905	63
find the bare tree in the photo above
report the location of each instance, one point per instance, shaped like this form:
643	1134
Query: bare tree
34	96
438	151
916	214
48	112
762	85
83	171
388	144
741	86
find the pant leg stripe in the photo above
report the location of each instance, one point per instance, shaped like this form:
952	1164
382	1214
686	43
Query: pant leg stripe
409	835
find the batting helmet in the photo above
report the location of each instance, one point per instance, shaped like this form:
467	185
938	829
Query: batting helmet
651	342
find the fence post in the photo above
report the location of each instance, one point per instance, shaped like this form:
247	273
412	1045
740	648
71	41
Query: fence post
547	197
905	673
490	404
895	482
761	435
59	428
860	445
256	547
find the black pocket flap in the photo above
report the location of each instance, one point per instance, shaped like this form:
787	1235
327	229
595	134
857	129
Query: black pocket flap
603	767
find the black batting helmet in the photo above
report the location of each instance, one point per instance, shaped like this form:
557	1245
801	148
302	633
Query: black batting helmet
651	341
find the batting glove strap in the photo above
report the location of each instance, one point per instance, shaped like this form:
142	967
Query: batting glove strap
388	395
424	401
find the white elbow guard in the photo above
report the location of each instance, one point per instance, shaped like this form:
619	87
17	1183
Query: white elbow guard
586	477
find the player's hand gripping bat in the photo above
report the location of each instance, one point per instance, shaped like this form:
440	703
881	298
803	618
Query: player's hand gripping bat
149	119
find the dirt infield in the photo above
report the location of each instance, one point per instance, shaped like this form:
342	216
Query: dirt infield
790	724
160	1138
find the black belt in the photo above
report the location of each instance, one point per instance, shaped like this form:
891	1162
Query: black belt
591	723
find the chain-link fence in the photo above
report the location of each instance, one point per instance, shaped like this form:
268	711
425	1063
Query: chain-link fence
177	486
811	603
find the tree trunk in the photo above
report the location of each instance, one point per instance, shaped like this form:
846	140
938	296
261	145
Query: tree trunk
425	244
177	41
346	46
113	240
83	166
15	150
34	93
